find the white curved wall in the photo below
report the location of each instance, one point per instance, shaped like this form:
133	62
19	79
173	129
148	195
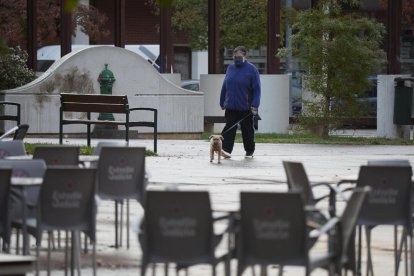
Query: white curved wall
179	110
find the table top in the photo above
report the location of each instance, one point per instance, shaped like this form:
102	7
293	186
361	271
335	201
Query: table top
82	158
19	157
26	181
5	258
16	264
88	158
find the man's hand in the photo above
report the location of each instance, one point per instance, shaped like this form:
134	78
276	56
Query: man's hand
253	110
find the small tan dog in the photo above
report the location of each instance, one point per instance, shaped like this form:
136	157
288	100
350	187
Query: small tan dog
215	146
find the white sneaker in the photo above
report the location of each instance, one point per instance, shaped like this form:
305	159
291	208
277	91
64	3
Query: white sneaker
225	155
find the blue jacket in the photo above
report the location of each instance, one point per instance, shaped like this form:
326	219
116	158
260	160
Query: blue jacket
241	87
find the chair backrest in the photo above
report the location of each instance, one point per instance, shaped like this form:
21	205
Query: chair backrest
349	219
388	203
272	229
102	144
67	200
178	227
57	155
121	173
298	181
21	131
11	148
5	175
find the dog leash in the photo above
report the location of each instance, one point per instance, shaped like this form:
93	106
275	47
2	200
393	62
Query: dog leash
237	123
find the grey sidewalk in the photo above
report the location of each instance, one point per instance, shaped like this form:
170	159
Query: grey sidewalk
184	164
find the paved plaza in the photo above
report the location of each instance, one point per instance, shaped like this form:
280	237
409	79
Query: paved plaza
184	165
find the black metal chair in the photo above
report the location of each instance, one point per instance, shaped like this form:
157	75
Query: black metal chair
23	199
298	181
10	111
19	132
58	155
273	231
5	175
178	228
388	204
121	176
66	202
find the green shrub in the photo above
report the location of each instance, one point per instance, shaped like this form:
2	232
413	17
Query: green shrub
13	69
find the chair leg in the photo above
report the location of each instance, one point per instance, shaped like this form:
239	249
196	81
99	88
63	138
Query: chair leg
396	252
49	241
406	253
166	269
66	252
77	246
37	258
411	253
153	269
58	239
121	223
399	251
359	262
253	270
94	258
116	224
263	270
227	263
281	270
370	269
143	268
127	219
85	244
17	242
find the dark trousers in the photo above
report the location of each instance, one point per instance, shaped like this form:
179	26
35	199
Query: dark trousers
247	130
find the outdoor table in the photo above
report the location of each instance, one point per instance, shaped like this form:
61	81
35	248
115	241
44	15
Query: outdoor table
88	158
15	264
20	183
19	157
83	159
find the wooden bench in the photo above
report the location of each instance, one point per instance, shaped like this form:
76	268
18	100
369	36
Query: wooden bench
95	103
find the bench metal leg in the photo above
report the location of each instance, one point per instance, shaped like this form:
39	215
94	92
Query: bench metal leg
127	133
89	129
155	139
61	133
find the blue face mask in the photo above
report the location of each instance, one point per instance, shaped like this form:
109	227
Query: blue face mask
238	61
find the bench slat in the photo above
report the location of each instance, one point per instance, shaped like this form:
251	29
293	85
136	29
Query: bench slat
92	122
94	98
94	107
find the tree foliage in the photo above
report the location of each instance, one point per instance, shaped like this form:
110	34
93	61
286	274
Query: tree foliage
242	22
407	12
338	52
13	69
13	15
